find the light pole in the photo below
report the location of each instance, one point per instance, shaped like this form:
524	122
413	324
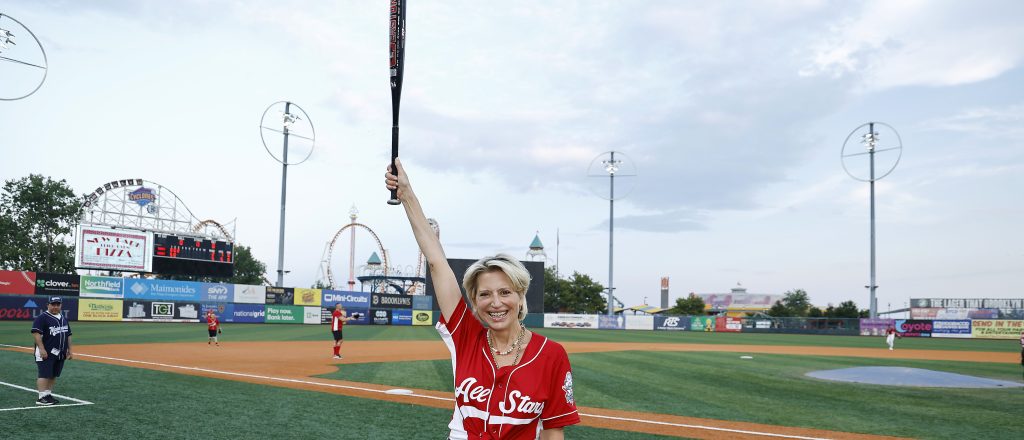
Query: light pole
612	166
25	57
289	119
871	139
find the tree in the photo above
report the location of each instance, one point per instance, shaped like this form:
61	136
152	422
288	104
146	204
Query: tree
815	312
248	270
691	305
846	309
778	310
797	302
578	294
37	215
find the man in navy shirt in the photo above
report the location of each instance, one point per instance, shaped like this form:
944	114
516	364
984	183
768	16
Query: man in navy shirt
53	345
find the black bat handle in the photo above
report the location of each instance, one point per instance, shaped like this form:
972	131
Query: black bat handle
394	154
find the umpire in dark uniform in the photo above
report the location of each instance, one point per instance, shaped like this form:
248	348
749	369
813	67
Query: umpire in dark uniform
52	335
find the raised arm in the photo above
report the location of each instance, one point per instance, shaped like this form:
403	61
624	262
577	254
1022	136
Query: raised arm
446	287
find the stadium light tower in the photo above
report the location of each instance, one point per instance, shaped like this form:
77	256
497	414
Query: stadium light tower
291	126
871	139
612	166
23	66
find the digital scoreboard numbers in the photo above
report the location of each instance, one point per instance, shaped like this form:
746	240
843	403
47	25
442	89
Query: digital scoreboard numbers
180	255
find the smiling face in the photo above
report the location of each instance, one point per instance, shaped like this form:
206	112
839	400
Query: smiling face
497	303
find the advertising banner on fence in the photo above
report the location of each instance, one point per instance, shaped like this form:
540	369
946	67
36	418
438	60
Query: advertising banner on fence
567	320
101	287
702	324
914	328
678	323
611	322
728	324
162	311
99	309
311	314
307	297
953	313
119	250
57	284
976	303
401	317
380	316
225	311
348	300
422	317
639	322
996	328
247	294
248	313
422	302
27	308
283	314
875	327
167	290
280	295
387	301
960	328
16	282
216	292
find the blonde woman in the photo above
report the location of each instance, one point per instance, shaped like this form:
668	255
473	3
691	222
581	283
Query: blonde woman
510	383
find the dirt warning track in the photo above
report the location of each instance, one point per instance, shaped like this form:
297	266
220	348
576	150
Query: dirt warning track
294	365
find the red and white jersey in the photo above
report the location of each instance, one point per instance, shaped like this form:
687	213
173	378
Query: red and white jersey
890	331
212	322
336	322
511	402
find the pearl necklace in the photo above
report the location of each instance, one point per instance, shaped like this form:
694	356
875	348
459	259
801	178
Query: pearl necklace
519	340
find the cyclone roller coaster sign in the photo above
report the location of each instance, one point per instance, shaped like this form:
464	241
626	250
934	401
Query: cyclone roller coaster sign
119	250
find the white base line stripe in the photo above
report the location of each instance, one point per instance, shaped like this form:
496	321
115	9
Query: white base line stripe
80	402
331	385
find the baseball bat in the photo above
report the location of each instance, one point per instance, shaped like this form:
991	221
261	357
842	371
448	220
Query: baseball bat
396	46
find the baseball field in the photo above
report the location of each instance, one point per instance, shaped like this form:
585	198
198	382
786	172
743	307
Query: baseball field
143	380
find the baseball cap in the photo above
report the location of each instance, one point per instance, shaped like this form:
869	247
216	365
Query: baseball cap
56	300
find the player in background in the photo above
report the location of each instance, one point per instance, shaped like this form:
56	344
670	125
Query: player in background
1022	348
338	320
52	335
890	336
213	325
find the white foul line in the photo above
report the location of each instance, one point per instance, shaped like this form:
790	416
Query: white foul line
332	385
80	402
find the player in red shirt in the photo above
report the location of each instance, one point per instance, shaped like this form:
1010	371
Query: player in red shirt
213	325
510	383
338	320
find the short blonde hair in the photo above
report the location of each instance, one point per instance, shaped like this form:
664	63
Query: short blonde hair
507	264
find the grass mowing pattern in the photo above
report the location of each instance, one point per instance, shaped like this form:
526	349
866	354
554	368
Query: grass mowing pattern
769	389
17	333
139	403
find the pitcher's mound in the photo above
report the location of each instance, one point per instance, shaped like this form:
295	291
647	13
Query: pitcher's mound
910	377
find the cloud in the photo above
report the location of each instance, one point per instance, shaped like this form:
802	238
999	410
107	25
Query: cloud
889	44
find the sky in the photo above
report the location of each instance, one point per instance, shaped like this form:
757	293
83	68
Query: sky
733	114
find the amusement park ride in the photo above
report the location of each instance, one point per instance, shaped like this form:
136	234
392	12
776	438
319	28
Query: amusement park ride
377	275
132	225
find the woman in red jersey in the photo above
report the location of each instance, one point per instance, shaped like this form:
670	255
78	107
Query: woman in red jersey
510	383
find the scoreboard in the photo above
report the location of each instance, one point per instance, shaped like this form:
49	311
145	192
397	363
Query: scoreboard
181	255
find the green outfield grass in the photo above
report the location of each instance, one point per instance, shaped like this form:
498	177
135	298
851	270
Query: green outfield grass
136	403
17	333
769	389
